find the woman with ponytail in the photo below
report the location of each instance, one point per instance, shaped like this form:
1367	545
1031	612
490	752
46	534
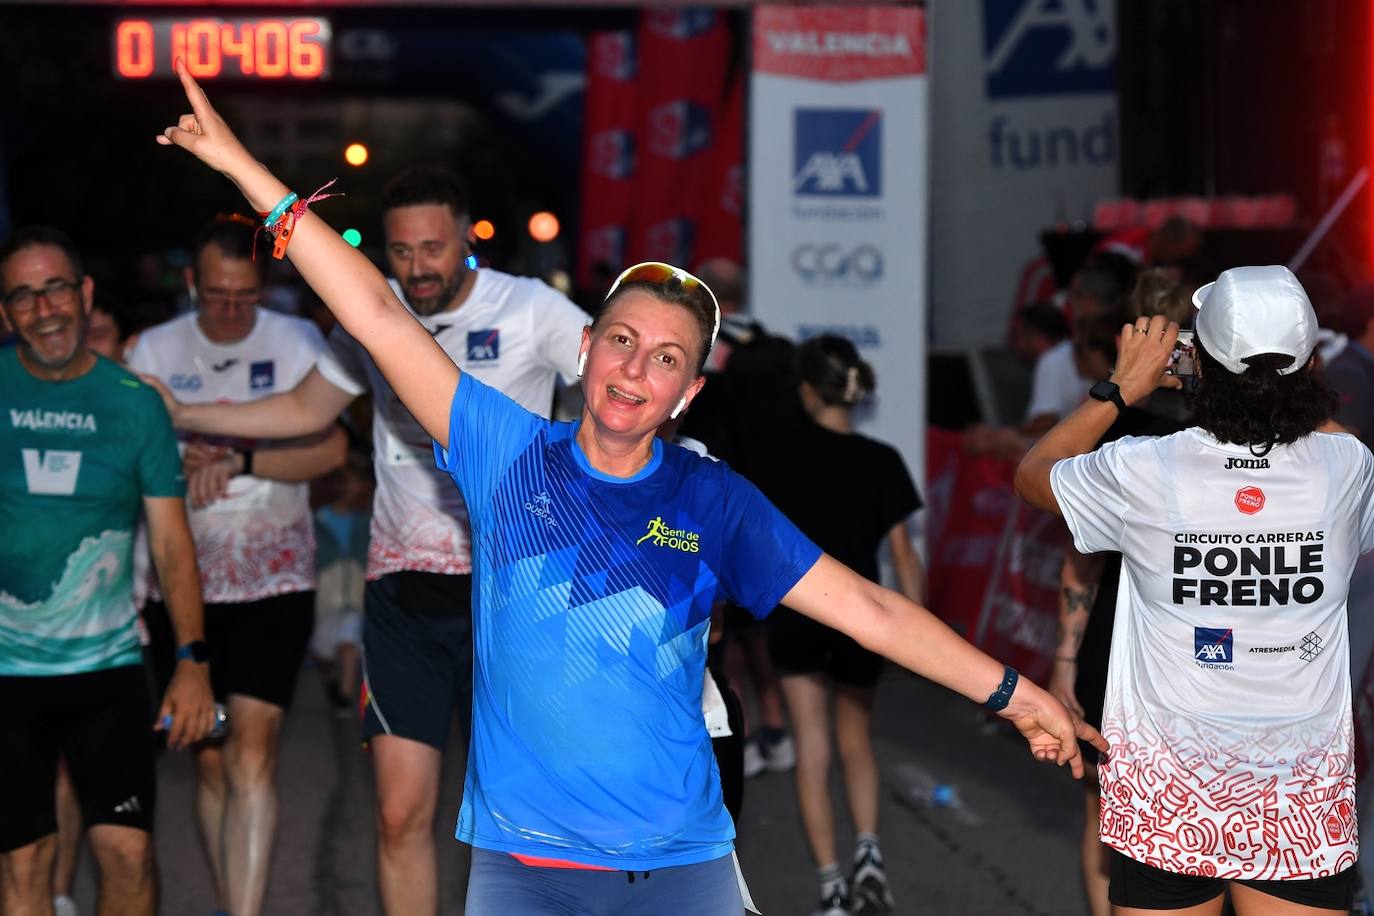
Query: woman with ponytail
850	494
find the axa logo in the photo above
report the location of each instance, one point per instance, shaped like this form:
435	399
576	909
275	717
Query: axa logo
484	346
262	376
541	507
1214	646
1249	464
52	472
838	152
679	128
1048	47
660	535
612	153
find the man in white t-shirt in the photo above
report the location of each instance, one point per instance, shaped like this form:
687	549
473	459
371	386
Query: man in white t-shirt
255	545
513	333
1228	696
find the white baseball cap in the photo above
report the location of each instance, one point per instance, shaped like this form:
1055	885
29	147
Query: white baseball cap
1248	311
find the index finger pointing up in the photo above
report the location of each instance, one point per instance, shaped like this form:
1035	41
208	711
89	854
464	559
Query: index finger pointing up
194	94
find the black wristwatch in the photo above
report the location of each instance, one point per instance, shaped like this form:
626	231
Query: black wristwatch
196	651
1108	391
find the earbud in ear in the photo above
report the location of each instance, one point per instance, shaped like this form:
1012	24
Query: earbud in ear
582	364
681	406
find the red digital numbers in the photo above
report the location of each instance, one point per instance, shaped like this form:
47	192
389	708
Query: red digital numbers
254	48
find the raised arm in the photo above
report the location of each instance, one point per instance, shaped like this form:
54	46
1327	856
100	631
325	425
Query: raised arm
887	623
422	374
1142	356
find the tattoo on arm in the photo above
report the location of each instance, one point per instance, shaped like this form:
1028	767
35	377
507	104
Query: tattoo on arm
1076	606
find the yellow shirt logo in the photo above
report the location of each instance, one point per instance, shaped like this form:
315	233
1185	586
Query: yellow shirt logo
675	538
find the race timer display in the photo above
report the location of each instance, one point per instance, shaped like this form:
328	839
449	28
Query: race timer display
267	48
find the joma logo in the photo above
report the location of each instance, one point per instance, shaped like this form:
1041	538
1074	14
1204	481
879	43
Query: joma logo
1247	463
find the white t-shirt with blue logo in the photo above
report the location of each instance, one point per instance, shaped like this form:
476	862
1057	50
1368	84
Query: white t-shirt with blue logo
514	333
259	539
592	602
1228	692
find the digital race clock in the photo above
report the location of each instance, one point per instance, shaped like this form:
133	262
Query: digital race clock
269	48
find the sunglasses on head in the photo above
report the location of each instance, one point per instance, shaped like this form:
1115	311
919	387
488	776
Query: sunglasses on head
657	272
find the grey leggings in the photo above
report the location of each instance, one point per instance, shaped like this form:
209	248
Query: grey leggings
499	885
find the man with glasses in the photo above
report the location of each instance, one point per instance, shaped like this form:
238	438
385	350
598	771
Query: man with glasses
254	539
86	448
515	334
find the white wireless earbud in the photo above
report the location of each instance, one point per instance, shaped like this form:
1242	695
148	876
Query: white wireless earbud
681	406
582	364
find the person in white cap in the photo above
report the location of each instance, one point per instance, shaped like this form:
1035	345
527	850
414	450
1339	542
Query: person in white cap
1228	698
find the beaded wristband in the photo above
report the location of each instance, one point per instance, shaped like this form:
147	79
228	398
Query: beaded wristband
279	209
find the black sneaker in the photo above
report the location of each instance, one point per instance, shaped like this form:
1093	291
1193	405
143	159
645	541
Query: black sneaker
872	895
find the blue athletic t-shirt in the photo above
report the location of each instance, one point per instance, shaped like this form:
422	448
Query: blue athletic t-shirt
592	599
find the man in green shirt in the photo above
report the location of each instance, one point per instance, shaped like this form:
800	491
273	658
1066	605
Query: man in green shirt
84	446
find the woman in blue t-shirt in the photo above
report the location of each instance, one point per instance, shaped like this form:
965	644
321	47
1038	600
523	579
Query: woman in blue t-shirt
598	553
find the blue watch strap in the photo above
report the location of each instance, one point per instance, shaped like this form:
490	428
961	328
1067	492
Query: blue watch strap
1002	695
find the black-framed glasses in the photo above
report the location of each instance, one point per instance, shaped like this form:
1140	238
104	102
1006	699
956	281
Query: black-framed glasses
24	300
659	272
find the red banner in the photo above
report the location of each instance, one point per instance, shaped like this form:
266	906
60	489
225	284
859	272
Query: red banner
994	562
664	146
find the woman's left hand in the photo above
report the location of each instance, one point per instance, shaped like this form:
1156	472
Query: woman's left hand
203	132
1052	732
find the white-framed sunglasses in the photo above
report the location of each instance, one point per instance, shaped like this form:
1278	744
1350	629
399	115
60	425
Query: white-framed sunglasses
657	272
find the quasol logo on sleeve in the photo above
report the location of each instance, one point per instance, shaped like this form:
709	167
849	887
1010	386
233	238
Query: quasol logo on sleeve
52	421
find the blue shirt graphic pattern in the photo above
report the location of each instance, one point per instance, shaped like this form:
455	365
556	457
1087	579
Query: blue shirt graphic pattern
592	601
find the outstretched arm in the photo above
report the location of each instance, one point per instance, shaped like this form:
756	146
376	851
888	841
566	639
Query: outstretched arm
1142	355
887	623
310	407
421	373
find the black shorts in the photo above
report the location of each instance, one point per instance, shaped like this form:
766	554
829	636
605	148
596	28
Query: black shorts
800	645
417	656
256	647
1146	887
102	723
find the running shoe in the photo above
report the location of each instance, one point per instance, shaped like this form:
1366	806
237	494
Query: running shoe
872	895
754	762
780	755
837	904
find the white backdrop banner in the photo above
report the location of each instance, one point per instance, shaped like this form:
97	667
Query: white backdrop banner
1024	114
838	195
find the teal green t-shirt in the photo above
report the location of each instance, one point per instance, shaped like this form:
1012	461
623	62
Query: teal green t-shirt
76	459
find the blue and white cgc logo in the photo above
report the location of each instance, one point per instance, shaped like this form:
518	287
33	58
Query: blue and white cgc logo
838	152
1213	647
1048	47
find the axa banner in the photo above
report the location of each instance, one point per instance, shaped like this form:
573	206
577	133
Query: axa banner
1024	112
838	194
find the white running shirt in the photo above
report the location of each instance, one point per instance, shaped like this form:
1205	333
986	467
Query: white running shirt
513	333
259	540
1228	690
